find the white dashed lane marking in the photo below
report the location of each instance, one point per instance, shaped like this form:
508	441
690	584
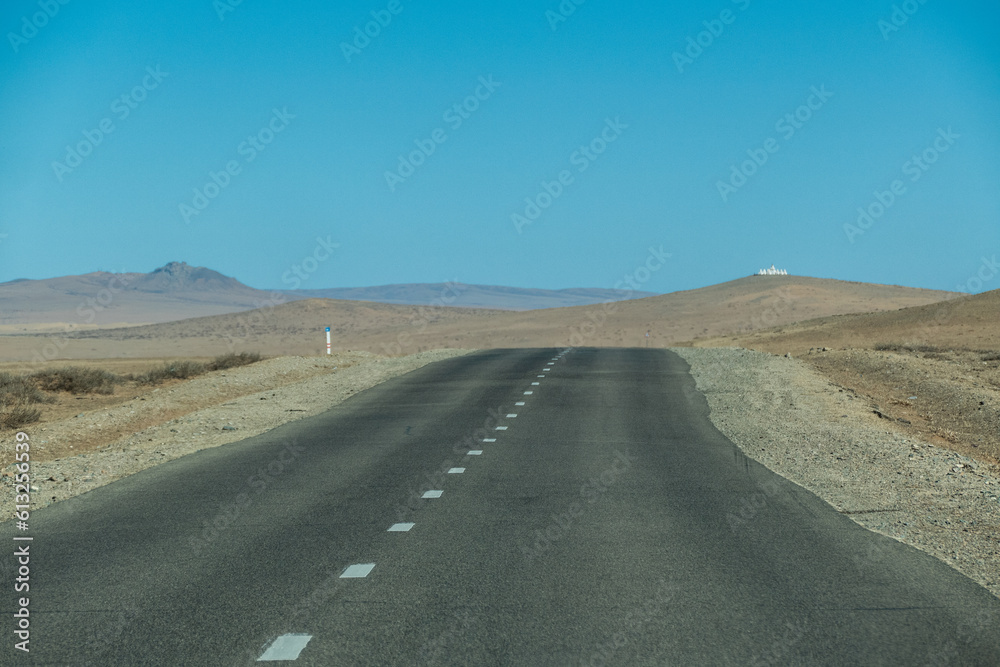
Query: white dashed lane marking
432	494
285	647
541	376
456	471
519	403
535	384
475	452
489	439
358	571
511	415
528	393
400	528
501	428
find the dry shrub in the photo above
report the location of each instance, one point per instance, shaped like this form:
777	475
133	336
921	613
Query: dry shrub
78	380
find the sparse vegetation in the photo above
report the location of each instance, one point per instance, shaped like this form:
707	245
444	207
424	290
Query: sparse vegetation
20	393
233	359
16	416
169	371
900	347
17	396
20	389
78	380
187	369
935	351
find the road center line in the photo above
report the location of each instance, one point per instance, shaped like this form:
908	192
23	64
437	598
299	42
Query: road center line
456	471
528	393
400	528
511	415
519	403
474	452
285	647
489	439
358	571
501	428
535	384
432	494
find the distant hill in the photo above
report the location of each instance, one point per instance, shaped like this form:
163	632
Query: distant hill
171	292
472	296
964	322
179	291
744	305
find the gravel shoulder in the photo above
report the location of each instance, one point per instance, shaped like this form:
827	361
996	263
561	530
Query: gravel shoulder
208	411
783	413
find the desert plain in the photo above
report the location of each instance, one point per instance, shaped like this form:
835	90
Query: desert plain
914	372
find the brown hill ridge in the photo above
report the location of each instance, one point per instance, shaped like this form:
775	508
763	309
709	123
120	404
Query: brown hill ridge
963	322
933	369
741	305
179	291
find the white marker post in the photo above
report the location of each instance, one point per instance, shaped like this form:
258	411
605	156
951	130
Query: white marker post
328	340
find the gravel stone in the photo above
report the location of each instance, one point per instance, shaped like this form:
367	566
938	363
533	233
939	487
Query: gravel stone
785	415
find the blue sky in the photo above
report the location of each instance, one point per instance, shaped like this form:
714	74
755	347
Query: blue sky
644	140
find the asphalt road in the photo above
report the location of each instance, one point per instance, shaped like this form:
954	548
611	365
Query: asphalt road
608	523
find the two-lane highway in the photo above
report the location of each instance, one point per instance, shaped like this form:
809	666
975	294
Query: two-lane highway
509	507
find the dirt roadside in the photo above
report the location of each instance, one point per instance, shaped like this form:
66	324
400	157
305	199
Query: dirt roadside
184	417
783	413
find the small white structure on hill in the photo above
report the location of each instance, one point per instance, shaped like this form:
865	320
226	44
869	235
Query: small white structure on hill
772	272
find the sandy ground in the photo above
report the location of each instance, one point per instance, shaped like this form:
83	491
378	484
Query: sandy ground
296	328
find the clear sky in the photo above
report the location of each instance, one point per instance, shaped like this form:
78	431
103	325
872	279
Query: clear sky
233	135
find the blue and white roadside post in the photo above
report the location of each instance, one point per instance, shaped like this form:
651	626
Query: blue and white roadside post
328	340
